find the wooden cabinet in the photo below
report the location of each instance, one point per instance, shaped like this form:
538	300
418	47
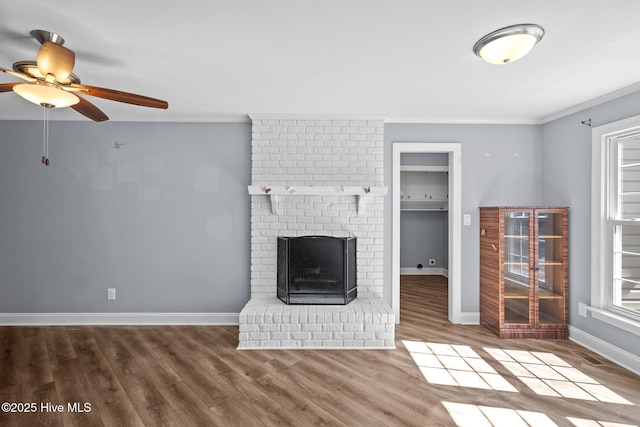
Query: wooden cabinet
524	272
424	188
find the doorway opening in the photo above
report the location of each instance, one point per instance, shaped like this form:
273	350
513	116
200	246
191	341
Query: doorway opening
454	217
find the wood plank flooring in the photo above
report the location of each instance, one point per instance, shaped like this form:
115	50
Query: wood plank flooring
194	376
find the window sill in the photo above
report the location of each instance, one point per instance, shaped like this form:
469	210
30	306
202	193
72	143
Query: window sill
616	320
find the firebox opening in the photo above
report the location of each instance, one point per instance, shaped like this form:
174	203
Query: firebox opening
317	270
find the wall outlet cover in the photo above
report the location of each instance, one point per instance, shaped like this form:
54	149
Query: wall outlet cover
582	309
432	261
111	294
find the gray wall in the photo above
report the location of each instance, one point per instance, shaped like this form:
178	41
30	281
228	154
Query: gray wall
501	165
424	159
423	235
164	219
566	160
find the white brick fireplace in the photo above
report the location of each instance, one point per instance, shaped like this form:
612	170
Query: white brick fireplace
317	176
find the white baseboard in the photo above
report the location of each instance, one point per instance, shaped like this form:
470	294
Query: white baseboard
424	271
615	354
60	319
470	318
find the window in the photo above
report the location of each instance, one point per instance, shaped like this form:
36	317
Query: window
615	286
626	225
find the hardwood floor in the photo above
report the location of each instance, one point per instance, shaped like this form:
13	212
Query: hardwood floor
193	375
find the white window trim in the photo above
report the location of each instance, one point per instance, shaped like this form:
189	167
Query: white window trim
600	243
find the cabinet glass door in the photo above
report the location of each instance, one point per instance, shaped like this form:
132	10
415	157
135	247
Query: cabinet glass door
550	255
516	267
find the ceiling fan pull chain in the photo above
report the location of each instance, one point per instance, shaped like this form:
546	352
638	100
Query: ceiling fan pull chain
45	148
44	133
46	110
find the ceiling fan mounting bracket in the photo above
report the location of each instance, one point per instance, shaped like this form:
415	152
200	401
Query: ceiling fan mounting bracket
47	36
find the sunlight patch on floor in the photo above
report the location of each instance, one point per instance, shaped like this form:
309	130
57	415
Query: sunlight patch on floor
544	373
580	422
548	375
455	365
480	416
467	415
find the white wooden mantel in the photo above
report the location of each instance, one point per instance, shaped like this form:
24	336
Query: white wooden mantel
277	191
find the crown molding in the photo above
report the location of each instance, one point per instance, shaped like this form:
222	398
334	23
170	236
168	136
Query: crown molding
436	121
284	116
627	90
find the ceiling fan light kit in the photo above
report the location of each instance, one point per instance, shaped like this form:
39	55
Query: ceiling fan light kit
508	44
46	95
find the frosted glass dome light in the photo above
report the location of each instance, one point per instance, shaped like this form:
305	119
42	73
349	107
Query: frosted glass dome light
508	44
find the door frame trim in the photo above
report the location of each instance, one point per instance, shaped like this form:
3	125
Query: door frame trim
454	150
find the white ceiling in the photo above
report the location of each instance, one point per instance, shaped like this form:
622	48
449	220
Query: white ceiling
407	60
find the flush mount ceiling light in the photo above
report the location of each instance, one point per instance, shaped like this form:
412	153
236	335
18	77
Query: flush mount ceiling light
508	44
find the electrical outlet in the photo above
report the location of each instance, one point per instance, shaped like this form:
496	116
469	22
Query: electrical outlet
432	261
582	309
111	294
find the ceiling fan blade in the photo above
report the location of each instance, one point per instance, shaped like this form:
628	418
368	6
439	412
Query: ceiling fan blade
89	110
17	74
116	95
8	87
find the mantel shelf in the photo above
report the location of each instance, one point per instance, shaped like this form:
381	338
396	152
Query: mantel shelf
311	190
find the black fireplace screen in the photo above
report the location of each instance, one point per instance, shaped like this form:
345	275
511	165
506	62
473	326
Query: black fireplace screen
317	270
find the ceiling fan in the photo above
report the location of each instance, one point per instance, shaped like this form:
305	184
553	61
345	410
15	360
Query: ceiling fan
51	83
